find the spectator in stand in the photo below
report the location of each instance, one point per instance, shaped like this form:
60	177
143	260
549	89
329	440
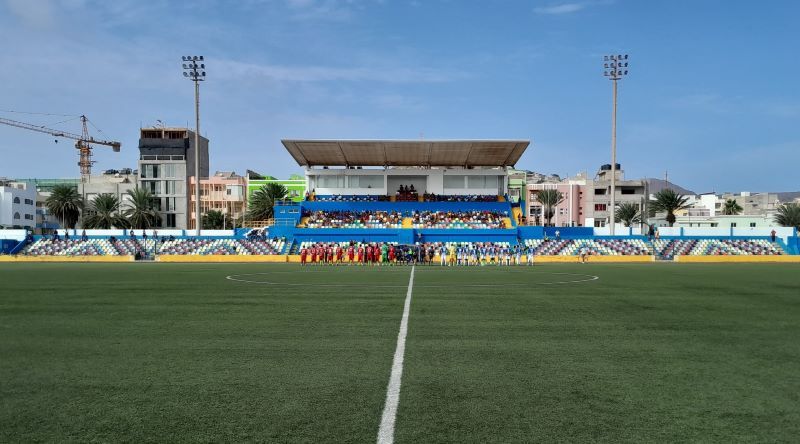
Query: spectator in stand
772	235
66	235
84	237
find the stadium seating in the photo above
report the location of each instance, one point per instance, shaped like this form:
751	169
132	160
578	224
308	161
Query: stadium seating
457	198
459	220
204	247
602	247
716	247
122	247
355	219
350	198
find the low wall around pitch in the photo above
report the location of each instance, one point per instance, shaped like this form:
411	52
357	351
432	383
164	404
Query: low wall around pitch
740	259
66	258
272	258
594	259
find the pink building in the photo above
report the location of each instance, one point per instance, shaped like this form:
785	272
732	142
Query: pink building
569	213
223	192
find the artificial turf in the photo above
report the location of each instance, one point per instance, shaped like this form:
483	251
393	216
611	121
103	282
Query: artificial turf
179	353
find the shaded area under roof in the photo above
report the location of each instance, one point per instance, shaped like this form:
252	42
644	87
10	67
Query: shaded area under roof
419	153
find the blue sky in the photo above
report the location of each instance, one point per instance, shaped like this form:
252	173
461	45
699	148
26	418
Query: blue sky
713	94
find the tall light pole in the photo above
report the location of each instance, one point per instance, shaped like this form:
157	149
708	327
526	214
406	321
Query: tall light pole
196	73
616	67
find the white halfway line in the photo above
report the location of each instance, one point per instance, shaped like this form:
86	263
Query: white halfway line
386	432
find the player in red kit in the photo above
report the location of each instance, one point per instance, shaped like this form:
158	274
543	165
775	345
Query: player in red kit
313	255
303	255
360	254
351	252
339	254
391	255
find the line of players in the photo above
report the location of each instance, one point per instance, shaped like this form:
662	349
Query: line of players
390	254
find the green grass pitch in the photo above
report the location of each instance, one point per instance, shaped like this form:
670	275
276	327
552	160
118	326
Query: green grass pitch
178	353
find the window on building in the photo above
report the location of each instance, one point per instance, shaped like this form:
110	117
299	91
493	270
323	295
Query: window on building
455	182
599	223
628	190
28	201
336	181
733	224
485	182
365	182
152	186
16	216
599	191
169	170
29	217
714	224
170	204
600	207
150	171
172	187
752	224
16	200
170	221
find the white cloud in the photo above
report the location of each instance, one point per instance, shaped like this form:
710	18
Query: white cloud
305	74
565	8
38	13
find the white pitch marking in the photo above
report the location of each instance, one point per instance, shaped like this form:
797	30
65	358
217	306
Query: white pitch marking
386	431
586	278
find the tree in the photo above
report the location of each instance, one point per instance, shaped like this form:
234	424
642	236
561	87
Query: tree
104	213
788	215
141	212
549	200
668	201
214	220
263	199
65	204
628	213
731	208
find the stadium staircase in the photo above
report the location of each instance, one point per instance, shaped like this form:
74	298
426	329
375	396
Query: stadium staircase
516	212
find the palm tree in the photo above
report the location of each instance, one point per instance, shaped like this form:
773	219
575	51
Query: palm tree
668	201
788	215
104	213
731	208
65	204
141	212
263	199
628	213
549	200
214	220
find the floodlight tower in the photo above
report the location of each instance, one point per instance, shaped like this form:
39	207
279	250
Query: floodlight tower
616	67
196	73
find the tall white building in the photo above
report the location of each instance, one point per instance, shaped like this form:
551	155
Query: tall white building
17	204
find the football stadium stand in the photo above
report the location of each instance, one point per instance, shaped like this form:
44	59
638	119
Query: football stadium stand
426	198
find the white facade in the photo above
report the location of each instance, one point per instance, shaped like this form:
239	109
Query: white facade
444	181
17	205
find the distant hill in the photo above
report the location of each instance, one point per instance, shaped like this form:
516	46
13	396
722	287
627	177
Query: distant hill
788	196
657	185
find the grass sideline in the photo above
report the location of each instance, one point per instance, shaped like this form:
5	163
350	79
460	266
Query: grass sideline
176	352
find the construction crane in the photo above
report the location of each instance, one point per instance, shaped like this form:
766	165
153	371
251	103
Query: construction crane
83	142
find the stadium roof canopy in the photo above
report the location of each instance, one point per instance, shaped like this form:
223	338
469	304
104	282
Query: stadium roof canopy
414	153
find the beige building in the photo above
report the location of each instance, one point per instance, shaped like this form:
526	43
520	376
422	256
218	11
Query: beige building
597	195
225	192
